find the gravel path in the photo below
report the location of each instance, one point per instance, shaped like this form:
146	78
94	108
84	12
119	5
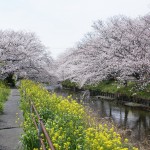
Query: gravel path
10	120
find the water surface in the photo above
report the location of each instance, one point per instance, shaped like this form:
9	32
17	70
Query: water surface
123	116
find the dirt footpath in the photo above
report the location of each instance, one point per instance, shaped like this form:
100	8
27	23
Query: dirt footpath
10	120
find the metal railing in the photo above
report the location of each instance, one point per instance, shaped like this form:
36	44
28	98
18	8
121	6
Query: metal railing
40	128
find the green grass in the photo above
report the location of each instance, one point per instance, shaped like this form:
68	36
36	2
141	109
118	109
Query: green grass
128	90
4	92
111	86
132	88
104	86
144	93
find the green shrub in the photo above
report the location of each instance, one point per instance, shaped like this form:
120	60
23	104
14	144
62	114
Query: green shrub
4	92
69	84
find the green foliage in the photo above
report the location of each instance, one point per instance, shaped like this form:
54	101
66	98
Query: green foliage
144	93
4	92
127	90
132	88
104	86
10	80
1	107
69	84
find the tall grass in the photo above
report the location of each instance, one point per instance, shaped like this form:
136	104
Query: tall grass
4	92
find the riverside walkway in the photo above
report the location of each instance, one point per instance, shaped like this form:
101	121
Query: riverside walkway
10	120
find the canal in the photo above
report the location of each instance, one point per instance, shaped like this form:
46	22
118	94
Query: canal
126	118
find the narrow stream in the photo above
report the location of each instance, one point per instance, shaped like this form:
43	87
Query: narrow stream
124	117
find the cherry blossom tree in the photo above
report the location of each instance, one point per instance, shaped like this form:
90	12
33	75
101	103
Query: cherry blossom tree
77	65
23	53
130	45
118	48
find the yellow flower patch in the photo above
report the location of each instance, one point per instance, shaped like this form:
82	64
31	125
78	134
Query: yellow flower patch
66	123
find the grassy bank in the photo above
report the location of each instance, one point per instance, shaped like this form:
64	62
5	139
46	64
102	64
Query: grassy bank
4	92
132	89
67	122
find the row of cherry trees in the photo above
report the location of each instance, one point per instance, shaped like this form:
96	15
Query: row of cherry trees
118	48
23	54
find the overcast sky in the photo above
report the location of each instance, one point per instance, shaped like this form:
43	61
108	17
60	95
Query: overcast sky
60	24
